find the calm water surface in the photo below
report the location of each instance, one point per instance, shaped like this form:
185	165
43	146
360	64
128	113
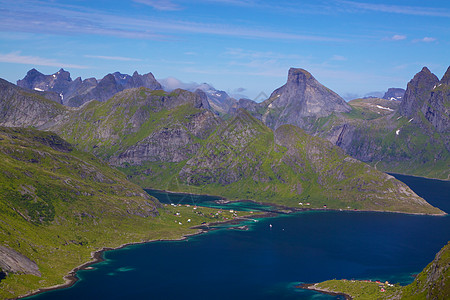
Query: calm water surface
266	262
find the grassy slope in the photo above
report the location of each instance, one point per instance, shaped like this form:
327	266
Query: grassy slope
432	283
244	159
57	205
109	128
413	151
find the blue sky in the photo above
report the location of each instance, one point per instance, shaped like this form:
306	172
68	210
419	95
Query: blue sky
353	47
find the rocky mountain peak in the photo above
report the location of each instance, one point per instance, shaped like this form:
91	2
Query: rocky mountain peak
33	72
417	92
28	81
298	75
302	96
62	75
425	78
446	78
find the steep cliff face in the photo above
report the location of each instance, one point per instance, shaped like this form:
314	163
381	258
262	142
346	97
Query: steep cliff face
23	108
301	97
436	107
417	92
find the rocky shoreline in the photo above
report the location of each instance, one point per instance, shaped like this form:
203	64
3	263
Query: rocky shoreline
97	256
313	287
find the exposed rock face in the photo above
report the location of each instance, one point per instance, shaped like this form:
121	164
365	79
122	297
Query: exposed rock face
77	92
302	96
417	92
173	143
13	262
394	94
436	108
164	127
22	108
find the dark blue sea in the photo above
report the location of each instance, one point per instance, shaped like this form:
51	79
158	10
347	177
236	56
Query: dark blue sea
266	262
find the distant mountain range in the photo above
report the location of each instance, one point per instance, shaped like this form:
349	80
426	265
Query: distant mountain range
77	92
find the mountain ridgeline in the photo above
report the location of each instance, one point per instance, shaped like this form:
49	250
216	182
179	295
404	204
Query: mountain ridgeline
71	178
173	141
77	92
411	136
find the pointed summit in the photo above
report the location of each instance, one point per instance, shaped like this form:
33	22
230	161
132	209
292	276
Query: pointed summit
33	76
417	92
446	78
302	96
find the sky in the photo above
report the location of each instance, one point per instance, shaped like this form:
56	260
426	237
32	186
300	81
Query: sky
246	47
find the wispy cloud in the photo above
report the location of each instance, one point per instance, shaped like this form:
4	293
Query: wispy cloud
399	9
118	58
160	4
59	19
17	58
426	39
397	37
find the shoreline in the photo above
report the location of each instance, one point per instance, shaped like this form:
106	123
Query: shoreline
298	209
313	287
97	256
417	176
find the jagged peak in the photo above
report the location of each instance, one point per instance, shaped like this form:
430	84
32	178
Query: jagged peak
425	75
425	70
446	78
34	72
62	74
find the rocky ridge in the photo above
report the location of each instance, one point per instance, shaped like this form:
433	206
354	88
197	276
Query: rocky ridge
394	94
172	141
77	92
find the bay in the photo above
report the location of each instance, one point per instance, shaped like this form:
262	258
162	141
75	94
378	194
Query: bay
266	262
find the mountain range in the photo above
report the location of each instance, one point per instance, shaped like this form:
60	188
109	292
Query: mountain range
173	141
410	136
77	92
75	156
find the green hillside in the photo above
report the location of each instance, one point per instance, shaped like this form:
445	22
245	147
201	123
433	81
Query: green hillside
432	283
58	205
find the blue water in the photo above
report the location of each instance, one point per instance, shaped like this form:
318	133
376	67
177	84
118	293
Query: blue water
266	262
208	201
